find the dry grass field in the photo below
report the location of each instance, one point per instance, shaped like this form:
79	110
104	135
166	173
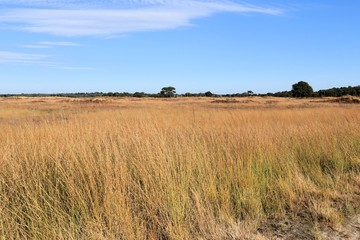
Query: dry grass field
126	168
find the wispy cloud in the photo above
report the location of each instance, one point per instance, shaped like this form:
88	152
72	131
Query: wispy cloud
58	44
16	57
42	60
50	45
76	68
108	17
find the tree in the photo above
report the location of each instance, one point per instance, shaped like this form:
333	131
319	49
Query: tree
302	89
283	94
250	93
209	94
139	94
168	92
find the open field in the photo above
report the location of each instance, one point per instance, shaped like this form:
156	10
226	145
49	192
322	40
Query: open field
126	168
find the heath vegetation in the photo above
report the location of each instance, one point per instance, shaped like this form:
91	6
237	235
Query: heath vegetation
175	168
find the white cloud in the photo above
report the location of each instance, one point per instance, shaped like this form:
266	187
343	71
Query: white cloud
35	46
15	57
50	45
58	44
41	60
76	68
106	17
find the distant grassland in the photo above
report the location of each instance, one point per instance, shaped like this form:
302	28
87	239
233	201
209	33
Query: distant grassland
112	168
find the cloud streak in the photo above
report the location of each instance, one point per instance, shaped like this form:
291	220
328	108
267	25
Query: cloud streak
43	45
15	57
43	60
108	18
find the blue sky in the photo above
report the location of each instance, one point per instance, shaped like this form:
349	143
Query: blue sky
223	46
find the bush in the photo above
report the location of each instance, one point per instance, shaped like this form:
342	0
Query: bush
302	89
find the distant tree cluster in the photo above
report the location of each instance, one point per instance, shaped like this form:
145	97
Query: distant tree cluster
299	90
303	89
338	92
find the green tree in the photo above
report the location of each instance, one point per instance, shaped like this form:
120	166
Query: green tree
168	92
209	94
302	89
139	94
250	93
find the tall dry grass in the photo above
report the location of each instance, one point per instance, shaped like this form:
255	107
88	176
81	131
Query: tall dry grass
167	171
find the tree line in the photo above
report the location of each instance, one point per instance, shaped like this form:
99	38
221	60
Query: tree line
303	89
300	89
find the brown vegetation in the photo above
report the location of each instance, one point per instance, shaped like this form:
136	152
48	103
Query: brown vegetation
116	168
347	99
226	100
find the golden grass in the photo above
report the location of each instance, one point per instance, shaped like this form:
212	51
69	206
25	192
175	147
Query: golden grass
174	169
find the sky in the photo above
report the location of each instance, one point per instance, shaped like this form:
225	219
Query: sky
222	46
